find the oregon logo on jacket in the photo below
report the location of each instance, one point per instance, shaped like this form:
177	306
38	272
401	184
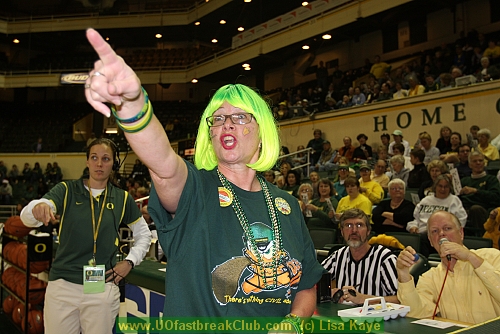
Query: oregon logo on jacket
262	269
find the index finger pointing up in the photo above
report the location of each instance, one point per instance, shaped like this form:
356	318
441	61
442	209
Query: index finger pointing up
103	49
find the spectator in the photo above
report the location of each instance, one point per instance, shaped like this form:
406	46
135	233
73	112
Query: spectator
443	199
492	52
446	80
292	183
443	143
283	111
3	170
419	173
472	137
452	155
480	192
462	165
317	212
363	151
476	267
358	98
27	172
435	168
367	269
317	146
354	199
385	138
285	167
46	174
340	188
300	158
415	87
56	173
346	151
400	92
489	151
431	152
37	147
325	162
5	193
269	176
378	173
36	173
385	93
431	85
398	139
331	93
330	104
492	227
345	103
378	68
398	169
13	173
393	214
459	60
368	187
487	72
475	60
322	76
314	178
373	96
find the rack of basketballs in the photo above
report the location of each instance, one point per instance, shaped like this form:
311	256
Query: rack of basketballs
25	255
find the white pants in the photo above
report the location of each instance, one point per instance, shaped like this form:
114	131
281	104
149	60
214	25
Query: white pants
68	310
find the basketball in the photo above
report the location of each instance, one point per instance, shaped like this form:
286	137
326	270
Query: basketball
8	304
36	297
21	258
35	322
38	267
15	227
9	277
18	313
9	250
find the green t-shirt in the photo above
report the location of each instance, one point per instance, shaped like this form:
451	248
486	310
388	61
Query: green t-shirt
211	269
72	202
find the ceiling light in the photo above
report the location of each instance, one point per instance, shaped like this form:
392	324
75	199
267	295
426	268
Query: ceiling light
111	130
158	36
107	38
247	68
197	23
305	3
16	41
305	47
222	21
241	28
245	65
248	1
326	36
214	40
194	80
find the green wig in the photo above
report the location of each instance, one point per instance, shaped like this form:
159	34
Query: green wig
245	98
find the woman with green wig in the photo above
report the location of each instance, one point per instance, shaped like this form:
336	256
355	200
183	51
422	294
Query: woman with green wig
235	244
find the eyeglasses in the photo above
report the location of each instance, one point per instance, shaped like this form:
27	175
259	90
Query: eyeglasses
350	226
218	120
396	189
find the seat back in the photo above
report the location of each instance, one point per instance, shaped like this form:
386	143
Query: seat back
477	242
322	237
407	239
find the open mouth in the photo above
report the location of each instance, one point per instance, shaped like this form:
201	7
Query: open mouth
228	141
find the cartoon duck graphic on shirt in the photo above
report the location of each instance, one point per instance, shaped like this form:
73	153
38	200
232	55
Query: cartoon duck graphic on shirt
262	268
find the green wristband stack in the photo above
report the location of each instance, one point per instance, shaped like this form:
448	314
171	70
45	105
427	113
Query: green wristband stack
142	118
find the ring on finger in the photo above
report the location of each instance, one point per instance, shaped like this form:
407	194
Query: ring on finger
97	74
87	86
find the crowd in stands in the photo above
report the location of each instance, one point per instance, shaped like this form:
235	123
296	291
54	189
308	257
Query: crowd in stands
434	70
398	185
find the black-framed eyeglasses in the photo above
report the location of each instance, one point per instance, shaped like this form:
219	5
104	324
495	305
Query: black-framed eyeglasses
240	118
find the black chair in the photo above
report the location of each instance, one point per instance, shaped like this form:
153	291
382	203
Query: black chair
477	242
407	239
322	237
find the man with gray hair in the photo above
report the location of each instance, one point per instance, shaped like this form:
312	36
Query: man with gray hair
480	193
472	290
359	269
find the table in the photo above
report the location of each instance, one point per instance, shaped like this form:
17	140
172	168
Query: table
145	303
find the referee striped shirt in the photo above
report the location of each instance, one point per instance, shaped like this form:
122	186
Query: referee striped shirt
375	272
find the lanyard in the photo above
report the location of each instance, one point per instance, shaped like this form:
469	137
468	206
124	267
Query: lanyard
94	228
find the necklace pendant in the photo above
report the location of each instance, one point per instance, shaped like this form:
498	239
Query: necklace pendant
225	197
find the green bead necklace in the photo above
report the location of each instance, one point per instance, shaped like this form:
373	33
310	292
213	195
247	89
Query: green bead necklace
275	222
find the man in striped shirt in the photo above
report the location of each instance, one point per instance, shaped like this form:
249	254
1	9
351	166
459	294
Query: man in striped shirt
369	270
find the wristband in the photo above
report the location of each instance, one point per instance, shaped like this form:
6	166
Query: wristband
136	117
130	262
141	124
295	321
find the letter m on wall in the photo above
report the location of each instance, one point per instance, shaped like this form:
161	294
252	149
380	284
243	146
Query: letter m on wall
435	118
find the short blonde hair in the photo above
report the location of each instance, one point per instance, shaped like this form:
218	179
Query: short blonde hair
398	159
438	164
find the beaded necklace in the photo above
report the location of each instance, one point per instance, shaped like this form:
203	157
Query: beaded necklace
275	222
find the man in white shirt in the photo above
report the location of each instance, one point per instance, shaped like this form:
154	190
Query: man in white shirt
398	139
